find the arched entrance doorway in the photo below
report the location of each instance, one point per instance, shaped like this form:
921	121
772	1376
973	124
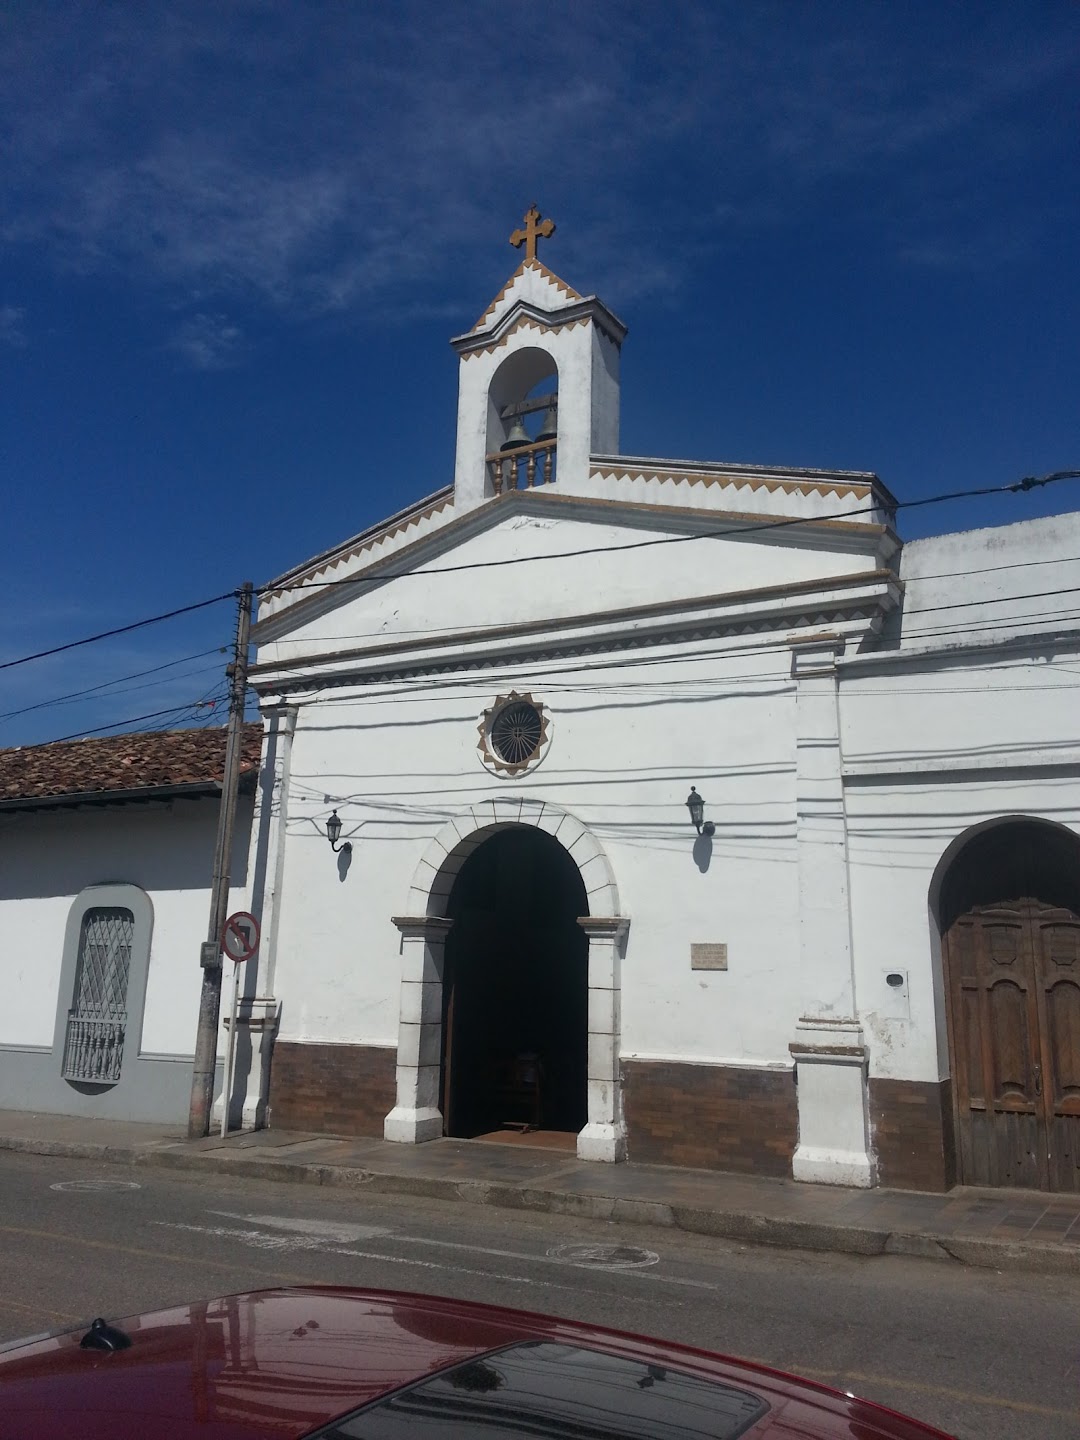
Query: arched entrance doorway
1010	923
424	928
515	989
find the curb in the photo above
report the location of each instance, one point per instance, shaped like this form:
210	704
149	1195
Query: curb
747	1227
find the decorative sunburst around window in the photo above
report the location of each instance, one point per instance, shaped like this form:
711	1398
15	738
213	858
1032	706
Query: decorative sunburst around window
514	734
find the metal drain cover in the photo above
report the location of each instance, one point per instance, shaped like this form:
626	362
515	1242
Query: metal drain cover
605	1257
96	1185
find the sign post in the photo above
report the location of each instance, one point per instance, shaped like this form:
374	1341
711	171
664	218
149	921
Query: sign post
239	941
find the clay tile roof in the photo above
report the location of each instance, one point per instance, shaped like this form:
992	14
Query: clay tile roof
104	765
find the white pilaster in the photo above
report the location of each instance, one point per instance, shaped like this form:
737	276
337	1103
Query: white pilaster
416	1115
829	1053
269	834
604	1136
258	1011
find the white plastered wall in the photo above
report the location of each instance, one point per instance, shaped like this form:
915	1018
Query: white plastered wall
627	743
49	857
979	726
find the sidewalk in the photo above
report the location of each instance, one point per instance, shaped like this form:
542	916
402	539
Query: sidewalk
1001	1229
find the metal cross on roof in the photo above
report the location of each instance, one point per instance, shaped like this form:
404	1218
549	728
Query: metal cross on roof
532	232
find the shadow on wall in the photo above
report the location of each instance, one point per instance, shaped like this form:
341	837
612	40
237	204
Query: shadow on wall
159	847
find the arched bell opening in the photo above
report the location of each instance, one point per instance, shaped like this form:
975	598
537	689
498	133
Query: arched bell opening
1007	903
516	990
523	422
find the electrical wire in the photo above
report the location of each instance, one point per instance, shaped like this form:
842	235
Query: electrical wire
119	630
74	695
556	622
115	724
421	689
1029	482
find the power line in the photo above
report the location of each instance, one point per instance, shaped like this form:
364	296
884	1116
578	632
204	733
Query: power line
912	581
130	720
420	689
556	622
993	600
1029	482
107	684
119	630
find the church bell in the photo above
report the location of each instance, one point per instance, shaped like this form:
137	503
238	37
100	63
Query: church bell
518	436
549	426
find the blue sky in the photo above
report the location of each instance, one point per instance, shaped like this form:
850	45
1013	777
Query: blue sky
236	238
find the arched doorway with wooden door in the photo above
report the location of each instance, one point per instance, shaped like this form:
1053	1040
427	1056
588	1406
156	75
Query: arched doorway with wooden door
515	992
1009	911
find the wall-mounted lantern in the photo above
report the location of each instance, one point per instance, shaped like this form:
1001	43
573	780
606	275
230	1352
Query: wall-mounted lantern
333	833
696	805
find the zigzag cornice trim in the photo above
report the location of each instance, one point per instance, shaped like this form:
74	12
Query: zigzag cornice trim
296	589
526	322
728	481
538	265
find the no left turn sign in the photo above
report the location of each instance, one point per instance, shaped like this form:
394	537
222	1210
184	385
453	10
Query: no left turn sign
240	936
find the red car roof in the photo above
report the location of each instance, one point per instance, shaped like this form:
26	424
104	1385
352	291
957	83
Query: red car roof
279	1363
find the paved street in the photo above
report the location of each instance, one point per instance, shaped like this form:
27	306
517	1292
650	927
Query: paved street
979	1353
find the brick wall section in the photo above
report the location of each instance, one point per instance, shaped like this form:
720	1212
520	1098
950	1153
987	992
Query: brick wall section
712	1117
333	1089
911	1128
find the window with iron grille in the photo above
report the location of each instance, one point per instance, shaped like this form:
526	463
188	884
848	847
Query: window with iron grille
97	1021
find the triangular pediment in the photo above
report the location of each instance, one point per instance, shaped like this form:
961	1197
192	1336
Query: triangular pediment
532	284
535	562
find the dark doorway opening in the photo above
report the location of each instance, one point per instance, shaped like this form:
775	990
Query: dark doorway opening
1010	918
515	990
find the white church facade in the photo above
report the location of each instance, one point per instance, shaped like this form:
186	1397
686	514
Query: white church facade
859	963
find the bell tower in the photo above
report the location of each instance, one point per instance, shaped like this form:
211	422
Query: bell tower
538	388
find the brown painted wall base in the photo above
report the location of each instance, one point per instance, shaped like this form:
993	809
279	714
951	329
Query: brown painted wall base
712	1117
911	1128
334	1089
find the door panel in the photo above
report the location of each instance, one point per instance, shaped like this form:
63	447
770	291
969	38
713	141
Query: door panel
1056	944
1011	1063
1013	982
994	1039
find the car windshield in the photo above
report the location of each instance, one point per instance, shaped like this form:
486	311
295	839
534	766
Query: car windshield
549	1389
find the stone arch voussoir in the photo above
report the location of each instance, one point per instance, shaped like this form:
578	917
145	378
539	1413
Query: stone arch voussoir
434	877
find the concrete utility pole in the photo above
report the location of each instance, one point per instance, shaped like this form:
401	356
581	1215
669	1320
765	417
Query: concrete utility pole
202	1078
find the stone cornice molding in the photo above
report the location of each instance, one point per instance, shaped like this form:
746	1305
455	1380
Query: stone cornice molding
858	602
604	927
930	657
815	655
422	927
839	1042
530	314
1033	764
837	1054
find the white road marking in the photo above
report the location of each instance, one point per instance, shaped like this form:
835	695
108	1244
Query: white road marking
330	1236
260	1240
331	1231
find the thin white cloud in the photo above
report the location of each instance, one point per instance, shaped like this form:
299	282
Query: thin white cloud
12	332
209	342
327	157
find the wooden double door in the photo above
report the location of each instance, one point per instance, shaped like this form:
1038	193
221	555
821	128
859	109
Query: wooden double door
1012	973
